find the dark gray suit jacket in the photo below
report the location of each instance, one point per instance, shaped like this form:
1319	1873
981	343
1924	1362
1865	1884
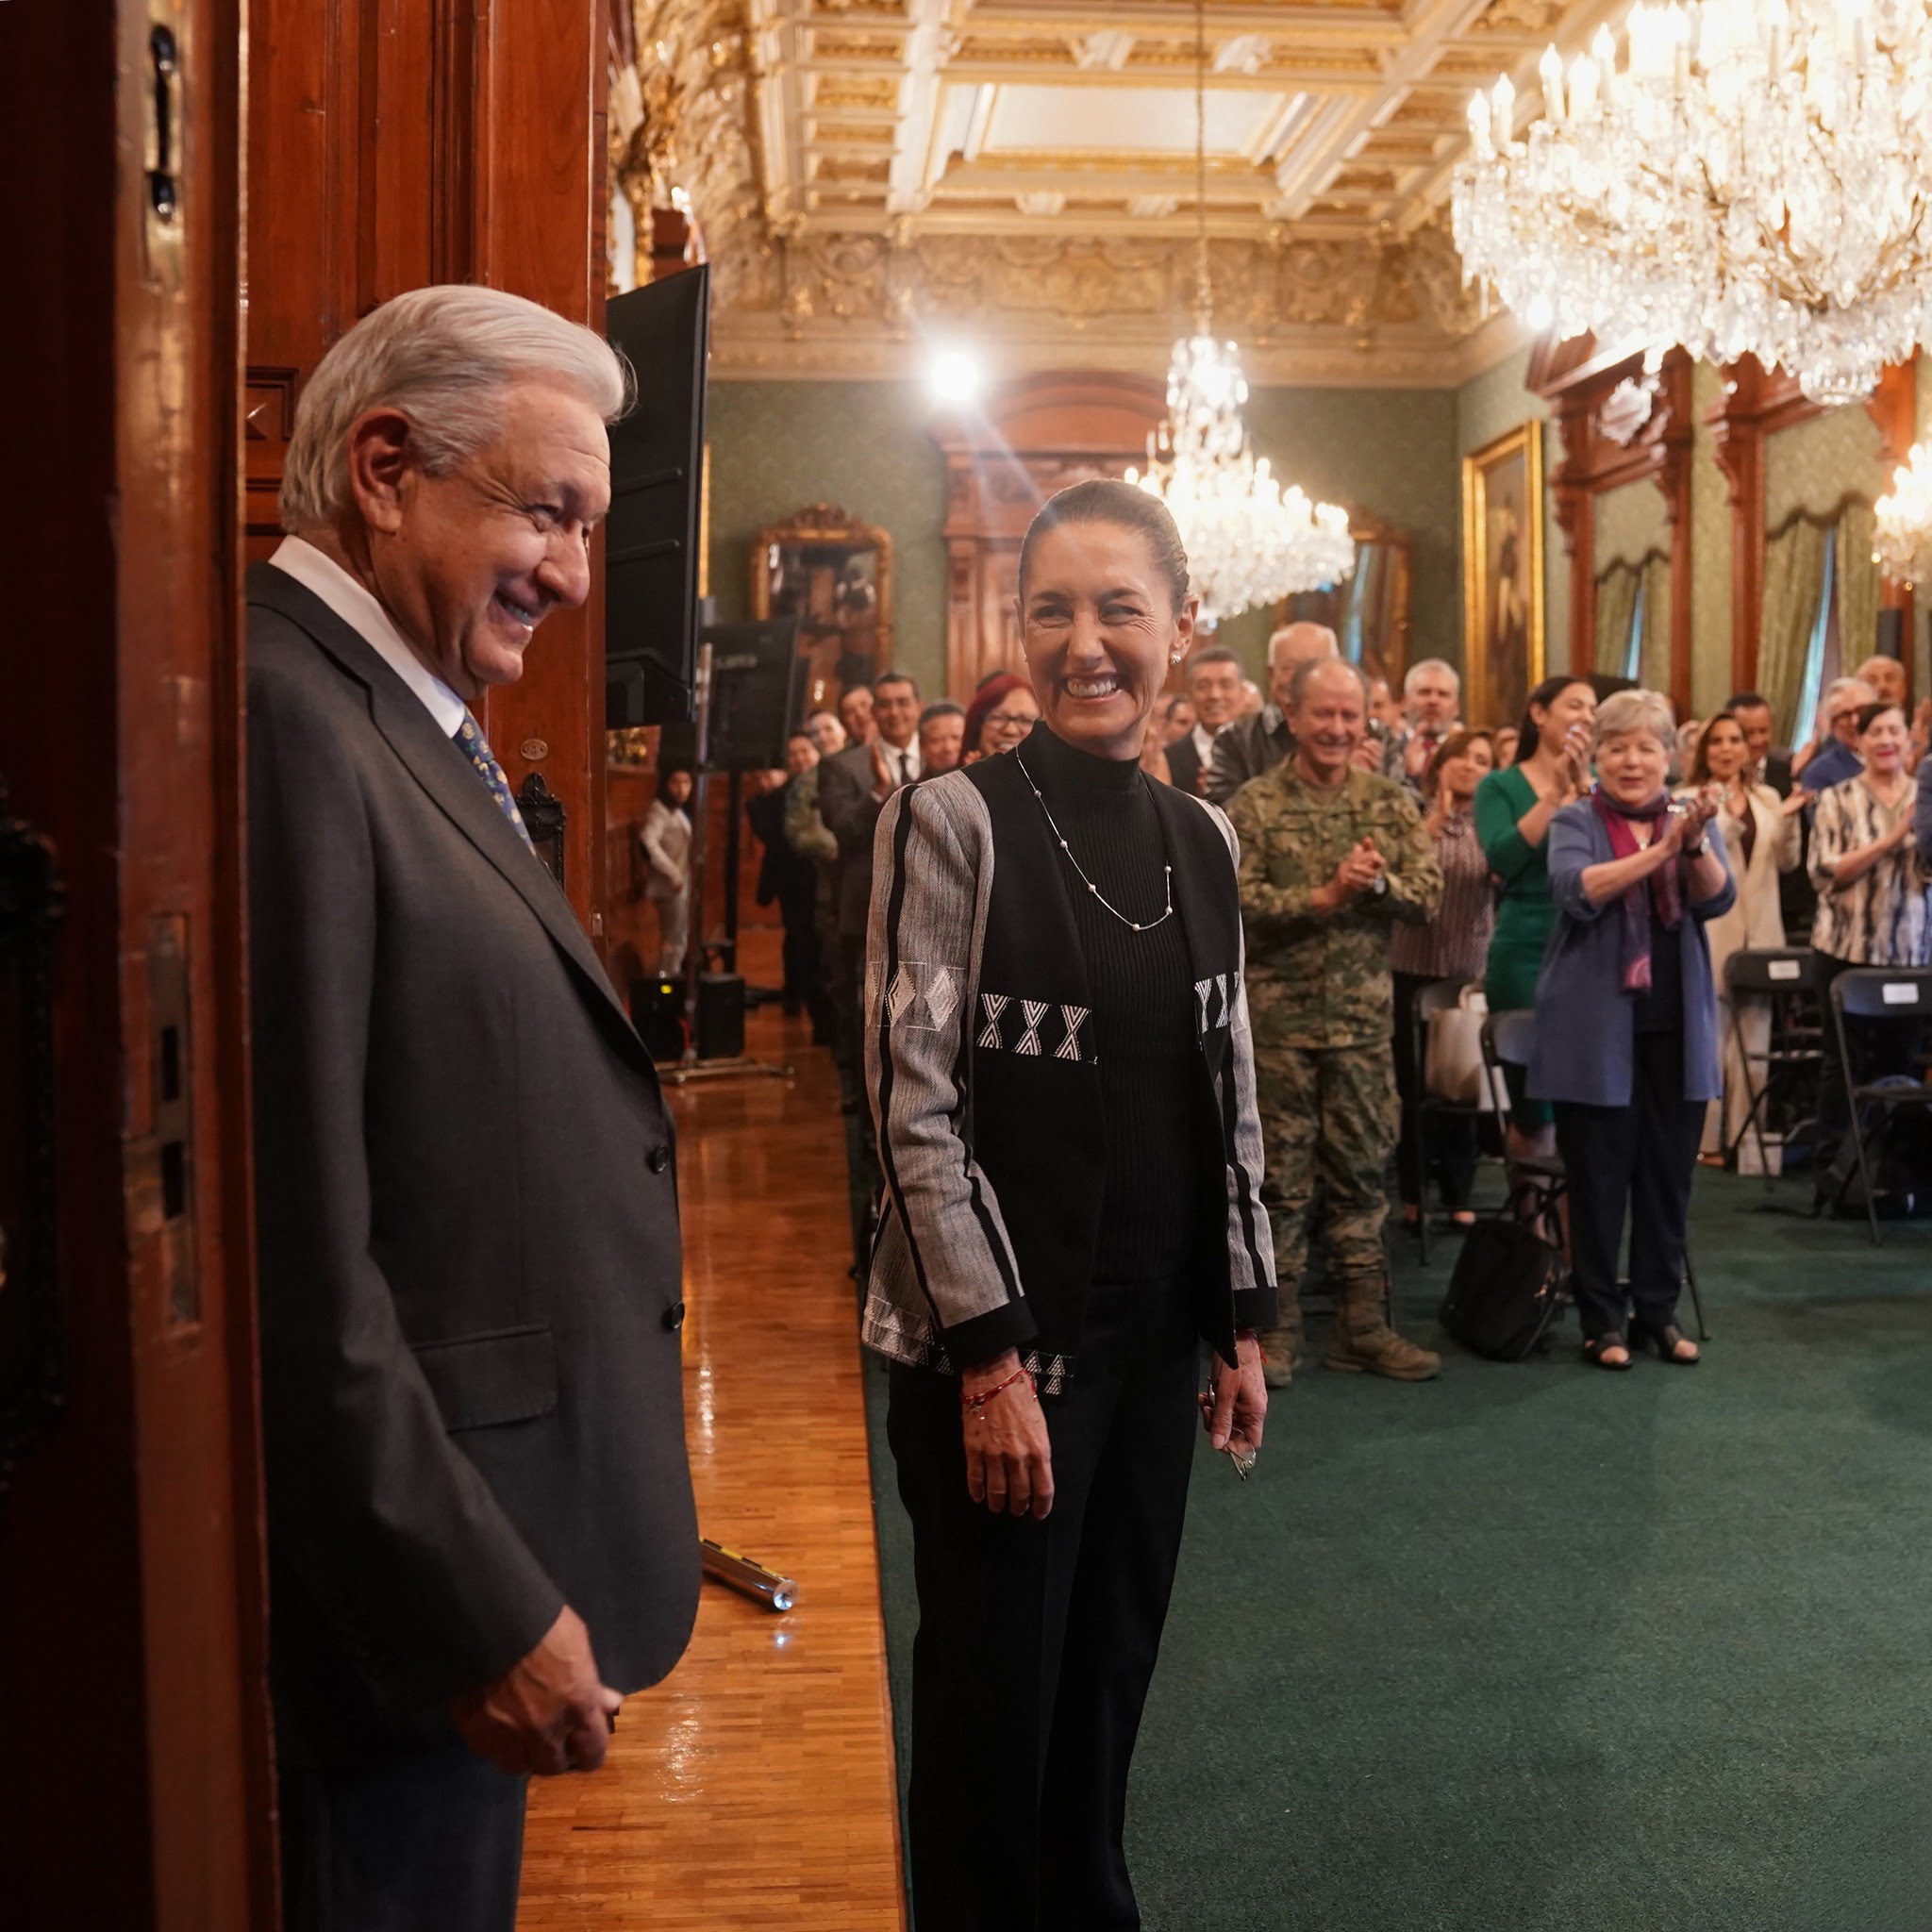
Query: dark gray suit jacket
1249	748
468	1244
851	815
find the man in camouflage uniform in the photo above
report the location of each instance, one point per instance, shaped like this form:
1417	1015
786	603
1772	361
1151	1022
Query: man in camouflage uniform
1330	854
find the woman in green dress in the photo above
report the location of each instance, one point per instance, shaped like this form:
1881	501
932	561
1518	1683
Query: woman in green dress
1513	811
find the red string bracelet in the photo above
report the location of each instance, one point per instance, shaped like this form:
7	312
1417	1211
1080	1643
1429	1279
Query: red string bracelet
977	1403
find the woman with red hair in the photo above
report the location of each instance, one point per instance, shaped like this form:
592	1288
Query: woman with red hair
1002	712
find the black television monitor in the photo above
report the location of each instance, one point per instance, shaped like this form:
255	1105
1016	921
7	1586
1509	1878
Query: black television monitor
757	682
651	540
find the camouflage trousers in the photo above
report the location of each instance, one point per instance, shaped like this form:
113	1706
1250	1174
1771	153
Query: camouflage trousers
1328	1121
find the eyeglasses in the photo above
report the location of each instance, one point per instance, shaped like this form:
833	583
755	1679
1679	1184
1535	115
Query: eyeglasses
1010	719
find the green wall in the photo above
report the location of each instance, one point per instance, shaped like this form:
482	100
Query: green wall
777	446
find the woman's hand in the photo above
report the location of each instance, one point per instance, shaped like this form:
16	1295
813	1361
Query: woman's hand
1704	807
1008	1453
1240	1406
1791	805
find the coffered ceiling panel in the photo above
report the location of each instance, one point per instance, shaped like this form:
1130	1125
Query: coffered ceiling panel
884	136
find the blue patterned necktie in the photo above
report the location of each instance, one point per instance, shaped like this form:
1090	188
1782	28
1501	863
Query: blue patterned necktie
476	747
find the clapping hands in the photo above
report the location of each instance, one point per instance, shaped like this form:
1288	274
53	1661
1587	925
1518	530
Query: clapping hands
1358	872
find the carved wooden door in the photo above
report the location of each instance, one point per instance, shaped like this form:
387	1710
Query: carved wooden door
135	1774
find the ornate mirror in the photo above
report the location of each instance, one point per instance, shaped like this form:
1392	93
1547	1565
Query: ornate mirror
835	573
1369	609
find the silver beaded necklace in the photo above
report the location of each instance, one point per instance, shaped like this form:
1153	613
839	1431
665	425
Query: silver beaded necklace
1137	924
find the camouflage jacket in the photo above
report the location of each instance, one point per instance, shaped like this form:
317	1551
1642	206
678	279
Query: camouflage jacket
1316	980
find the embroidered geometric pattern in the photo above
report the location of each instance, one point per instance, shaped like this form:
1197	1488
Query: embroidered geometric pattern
1050	1374
1032	1012
1045	1029
476	747
1216	1003
1072	1019
922	996
992	1004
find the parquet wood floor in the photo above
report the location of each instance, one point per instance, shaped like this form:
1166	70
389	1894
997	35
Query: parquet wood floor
755	1787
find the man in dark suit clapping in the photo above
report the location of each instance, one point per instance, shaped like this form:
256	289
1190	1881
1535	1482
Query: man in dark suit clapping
480	1523
1214	684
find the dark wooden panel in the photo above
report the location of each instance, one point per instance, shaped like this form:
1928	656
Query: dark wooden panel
135	1788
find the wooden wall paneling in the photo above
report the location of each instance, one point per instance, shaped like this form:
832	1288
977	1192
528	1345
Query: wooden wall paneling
400	142
1752	405
136	1785
1033	436
1620	422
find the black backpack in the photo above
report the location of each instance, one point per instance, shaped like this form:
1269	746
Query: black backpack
1505	1288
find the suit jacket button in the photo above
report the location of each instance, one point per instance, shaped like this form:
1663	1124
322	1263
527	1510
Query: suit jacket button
674	1317
657	1159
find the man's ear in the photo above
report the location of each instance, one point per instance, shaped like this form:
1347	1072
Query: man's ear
381	456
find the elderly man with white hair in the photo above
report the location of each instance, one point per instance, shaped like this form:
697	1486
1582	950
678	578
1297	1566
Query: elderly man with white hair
1256	744
1830	757
1431	710
479	1511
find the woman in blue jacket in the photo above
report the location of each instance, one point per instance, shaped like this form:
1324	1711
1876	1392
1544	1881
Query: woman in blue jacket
1627	1033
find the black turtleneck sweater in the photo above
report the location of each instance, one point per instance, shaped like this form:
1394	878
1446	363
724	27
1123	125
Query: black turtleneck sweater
1144	1004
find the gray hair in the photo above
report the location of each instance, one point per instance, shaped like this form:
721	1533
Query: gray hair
442	356
1298	684
1442	664
1301	628
1625	711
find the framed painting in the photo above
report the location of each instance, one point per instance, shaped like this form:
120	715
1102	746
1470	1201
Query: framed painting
1503	575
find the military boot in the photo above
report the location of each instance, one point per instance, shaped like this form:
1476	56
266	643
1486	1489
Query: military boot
1281	1349
1362	1342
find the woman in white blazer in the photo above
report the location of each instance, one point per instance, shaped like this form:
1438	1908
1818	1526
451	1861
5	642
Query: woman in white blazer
1761	840
666	838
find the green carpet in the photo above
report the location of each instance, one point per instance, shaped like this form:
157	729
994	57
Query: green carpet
1539	1649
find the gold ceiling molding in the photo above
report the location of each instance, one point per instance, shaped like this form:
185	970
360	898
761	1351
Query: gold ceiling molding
865	171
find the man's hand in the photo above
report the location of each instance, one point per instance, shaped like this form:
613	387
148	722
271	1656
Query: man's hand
549	1712
885	780
1008	1453
1353	876
1416	755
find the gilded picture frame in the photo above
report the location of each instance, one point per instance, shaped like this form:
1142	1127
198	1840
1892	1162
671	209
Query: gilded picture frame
1503	616
835	573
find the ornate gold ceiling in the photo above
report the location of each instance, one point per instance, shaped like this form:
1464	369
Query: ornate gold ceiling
869	173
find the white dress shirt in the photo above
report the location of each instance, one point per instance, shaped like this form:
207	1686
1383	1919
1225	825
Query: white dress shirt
357	606
913	767
1204	744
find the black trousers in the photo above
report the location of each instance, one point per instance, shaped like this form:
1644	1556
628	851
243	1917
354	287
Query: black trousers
1037	1641
425	1841
1452	1144
1638	1159
804	976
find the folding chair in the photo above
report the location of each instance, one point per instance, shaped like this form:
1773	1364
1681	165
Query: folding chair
1439	997
1778	975
1507	1040
1877	993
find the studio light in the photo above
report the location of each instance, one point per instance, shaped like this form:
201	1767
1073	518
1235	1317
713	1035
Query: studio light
954	376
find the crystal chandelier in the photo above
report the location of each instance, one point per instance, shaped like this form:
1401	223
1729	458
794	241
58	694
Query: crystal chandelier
1248	540
1755	177
1903	546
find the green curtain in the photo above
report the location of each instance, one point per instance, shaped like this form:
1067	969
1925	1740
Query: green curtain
1655	671
1616	604
1793	582
1857	585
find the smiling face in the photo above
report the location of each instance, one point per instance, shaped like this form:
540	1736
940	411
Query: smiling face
1178	722
855	715
1755	722
1007	726
1631	766
1884	742
1216	689
1099	627
940	741
1887	678
1726	750
895	711
801	754
470	563
1462	774
825	732
1330	722
1576	704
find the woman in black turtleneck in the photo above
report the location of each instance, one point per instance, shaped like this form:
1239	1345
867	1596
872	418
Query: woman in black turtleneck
1060	1070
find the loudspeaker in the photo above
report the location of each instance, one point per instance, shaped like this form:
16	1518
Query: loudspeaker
1891	641
651	540
721	1016
757	679
657	1011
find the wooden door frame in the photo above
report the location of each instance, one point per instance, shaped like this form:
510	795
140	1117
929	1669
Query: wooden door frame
136	1784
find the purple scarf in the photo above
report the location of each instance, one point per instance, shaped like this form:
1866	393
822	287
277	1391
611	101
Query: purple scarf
1665	897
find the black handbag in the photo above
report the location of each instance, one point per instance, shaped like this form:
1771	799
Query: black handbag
1505	1289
